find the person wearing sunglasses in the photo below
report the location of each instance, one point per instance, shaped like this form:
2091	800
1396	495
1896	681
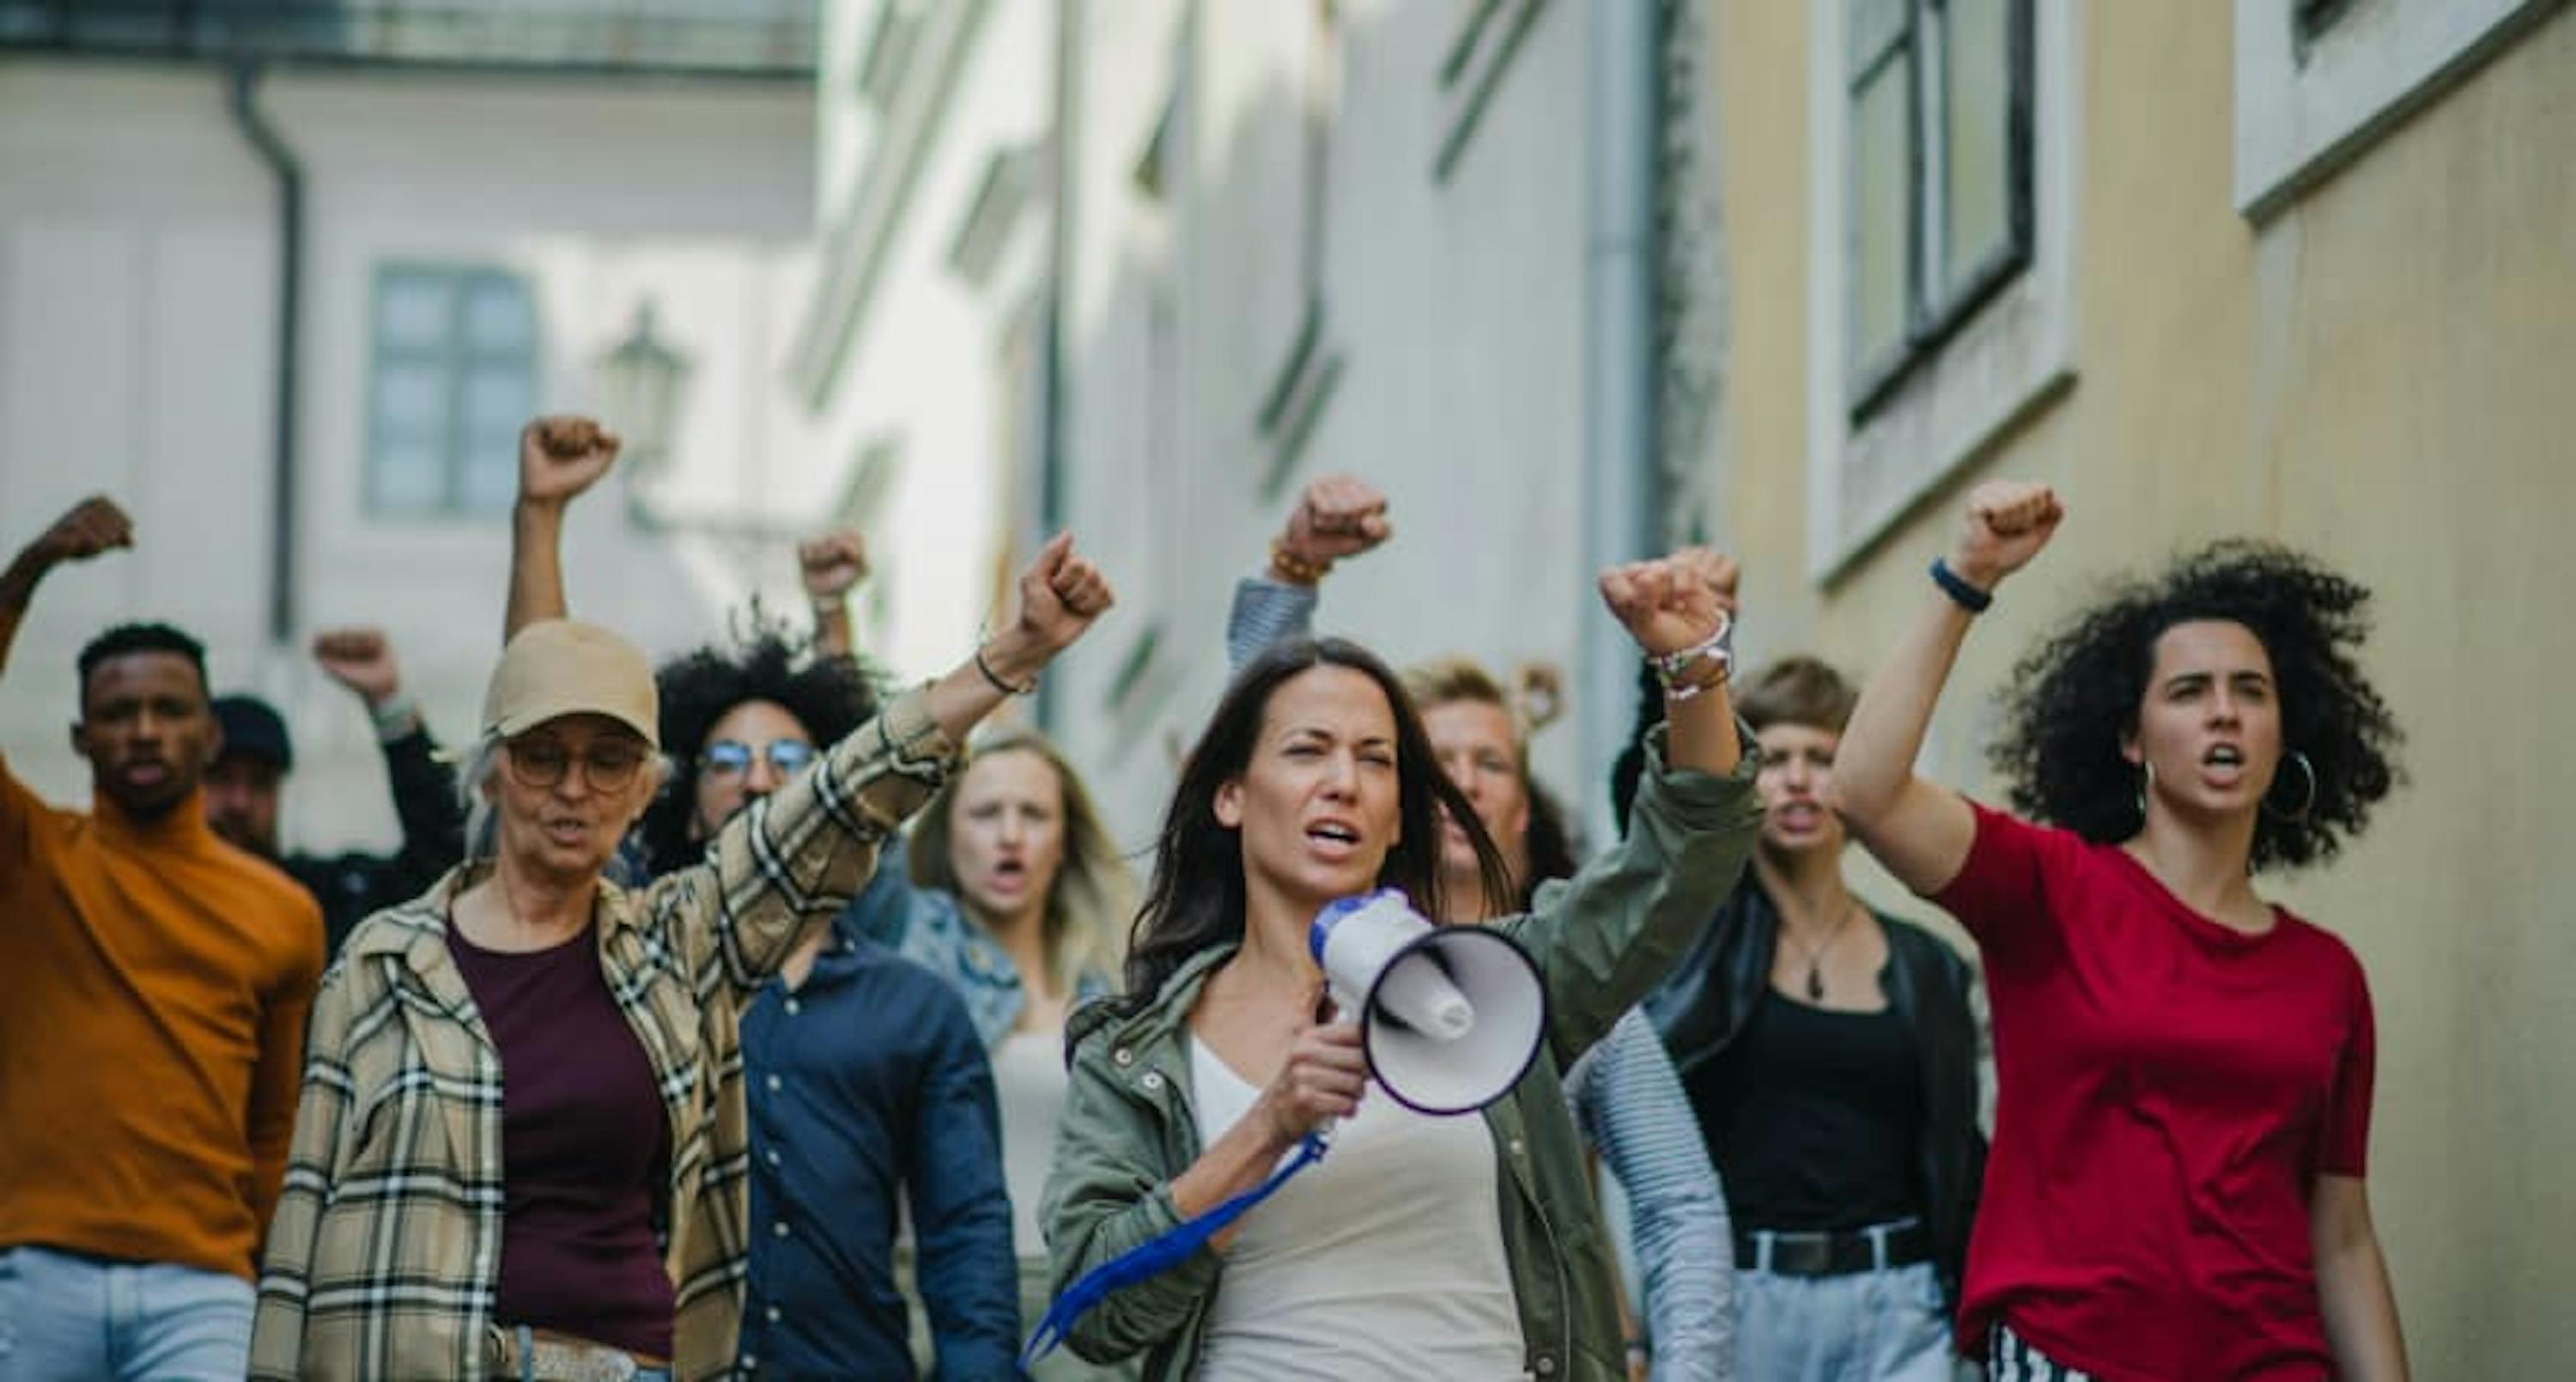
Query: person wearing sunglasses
523	1132
882	1087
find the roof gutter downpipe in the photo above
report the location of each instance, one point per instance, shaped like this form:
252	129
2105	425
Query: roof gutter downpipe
271	147
1619	360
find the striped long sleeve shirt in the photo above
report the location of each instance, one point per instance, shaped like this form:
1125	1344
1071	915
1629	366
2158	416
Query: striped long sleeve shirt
1633	1111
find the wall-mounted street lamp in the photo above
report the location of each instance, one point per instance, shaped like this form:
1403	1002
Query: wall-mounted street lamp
641	380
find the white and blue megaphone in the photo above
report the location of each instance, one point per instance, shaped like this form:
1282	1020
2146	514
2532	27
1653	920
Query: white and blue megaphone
1450	1016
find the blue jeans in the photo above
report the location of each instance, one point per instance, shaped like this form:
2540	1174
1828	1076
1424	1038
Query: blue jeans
1876	1326
69	1318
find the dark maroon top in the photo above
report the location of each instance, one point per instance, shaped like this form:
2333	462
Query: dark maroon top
585	1147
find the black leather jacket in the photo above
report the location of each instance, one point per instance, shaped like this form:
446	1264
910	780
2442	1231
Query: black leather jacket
1711	992
355	886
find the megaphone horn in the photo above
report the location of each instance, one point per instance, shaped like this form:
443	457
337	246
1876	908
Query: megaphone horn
1450	1016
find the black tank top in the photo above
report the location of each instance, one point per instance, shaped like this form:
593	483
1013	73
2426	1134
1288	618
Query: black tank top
1815	1117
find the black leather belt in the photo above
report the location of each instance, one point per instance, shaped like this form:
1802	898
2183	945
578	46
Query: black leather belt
1834	1254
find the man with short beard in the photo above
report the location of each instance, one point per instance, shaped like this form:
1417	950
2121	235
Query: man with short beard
154	983
243	790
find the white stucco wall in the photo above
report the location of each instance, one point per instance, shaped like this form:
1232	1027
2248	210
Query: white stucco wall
1455	306
138	262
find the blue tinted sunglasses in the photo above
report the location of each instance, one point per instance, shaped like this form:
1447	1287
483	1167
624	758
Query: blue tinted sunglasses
732	757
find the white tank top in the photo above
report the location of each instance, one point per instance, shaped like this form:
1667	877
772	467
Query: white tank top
1028	1085
1383	1260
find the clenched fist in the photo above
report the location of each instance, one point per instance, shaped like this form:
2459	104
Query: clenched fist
1671	603
93	525
2006	524
360	659
559	457
832	564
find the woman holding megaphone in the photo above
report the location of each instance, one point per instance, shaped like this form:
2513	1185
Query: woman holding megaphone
1421	1246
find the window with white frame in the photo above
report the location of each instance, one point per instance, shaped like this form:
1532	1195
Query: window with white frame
1944	138
453	376
1939	172
2318	82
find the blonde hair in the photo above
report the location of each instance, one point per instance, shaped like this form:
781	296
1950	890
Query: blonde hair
1448	680
1094	895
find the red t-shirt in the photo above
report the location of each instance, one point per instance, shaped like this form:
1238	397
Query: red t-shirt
2168	1091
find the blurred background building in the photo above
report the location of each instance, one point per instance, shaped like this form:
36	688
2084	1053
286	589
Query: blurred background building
1574	280
285	278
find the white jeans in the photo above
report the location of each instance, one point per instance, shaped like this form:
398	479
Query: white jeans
1875	1326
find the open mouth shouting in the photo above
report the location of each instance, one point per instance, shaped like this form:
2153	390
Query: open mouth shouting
2223	765
1009	875
1332	839
1800	816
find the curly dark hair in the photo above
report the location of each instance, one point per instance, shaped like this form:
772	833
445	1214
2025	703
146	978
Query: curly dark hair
829	696
2075	697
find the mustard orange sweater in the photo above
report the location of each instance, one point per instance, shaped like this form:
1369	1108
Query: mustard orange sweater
154	983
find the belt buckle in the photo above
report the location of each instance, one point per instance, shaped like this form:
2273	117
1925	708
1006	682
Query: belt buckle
1805	1254
555	1360
584	1363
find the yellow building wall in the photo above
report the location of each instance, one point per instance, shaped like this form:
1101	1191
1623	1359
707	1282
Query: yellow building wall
2385	375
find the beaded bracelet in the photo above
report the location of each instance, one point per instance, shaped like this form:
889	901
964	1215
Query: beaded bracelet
1298	569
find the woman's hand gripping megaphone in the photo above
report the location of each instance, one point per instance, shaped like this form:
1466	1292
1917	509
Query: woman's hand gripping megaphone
1322	1079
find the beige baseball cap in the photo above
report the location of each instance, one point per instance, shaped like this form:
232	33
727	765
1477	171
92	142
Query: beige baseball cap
561	667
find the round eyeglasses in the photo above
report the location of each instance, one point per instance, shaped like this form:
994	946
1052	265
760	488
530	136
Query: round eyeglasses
733	758
608	765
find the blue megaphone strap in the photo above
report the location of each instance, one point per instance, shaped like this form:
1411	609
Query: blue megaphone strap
1157	1255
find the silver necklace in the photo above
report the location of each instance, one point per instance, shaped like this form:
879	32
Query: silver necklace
1816	956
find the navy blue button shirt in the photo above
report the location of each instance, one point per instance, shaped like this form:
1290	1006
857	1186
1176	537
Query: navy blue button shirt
866	1079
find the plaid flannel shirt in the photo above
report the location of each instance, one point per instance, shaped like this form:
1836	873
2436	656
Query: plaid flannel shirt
383	1258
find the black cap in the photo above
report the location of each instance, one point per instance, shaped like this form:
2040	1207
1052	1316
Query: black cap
253	730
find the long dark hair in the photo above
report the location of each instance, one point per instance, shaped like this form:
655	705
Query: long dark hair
2075	696
1554	849
1197	900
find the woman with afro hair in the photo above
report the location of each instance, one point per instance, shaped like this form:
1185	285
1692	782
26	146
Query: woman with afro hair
2184	1069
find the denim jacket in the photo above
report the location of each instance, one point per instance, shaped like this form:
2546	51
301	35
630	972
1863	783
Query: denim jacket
1601	939
929	928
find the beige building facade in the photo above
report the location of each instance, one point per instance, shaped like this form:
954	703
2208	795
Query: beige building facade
2297	271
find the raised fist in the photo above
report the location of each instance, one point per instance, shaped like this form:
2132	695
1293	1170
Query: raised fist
1338	516
360	659
93	525
833	563
1671	603
2006	524
559	457
1060	595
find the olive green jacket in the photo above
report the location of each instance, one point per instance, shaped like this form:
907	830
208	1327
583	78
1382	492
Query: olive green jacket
1601	939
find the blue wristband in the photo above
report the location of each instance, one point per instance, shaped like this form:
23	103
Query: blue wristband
1968	596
